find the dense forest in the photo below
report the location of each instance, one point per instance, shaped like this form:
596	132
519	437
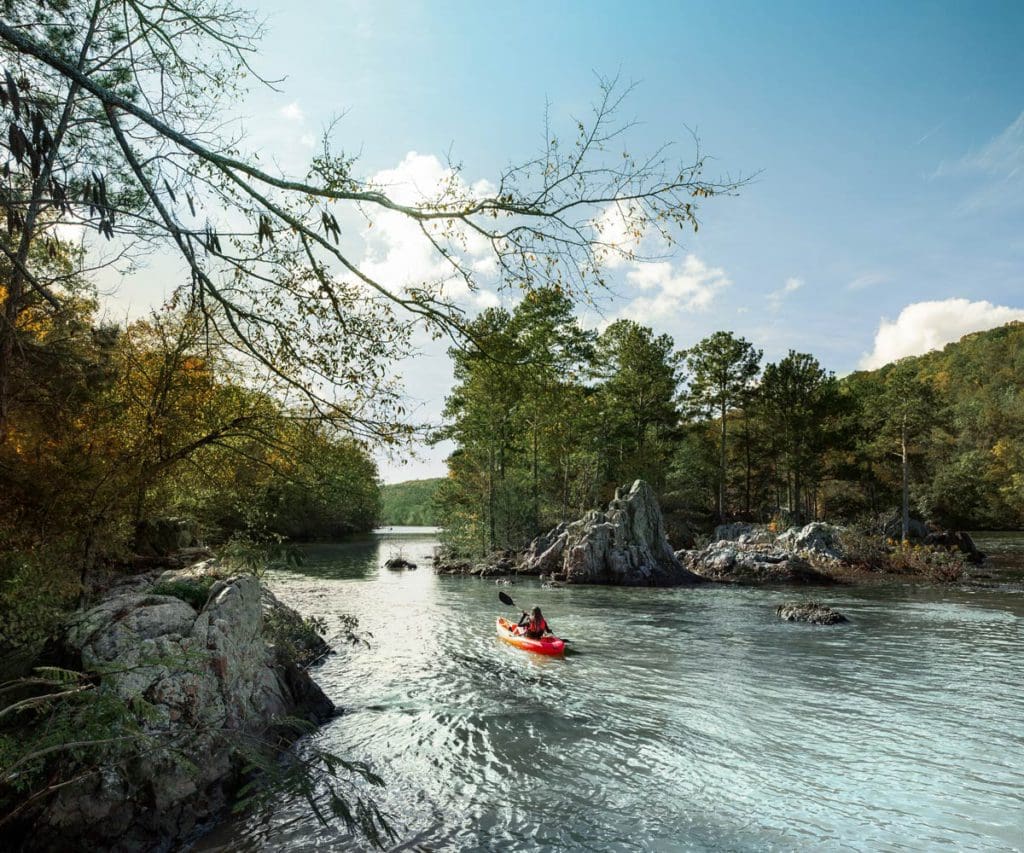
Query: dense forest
410	502
110	425
548	418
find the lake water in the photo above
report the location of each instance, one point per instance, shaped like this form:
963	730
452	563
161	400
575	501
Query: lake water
689	719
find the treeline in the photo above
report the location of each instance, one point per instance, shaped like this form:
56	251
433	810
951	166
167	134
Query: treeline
107	426
548	418
410	502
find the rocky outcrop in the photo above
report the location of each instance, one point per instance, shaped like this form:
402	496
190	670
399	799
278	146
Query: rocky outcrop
744	533
544	554
494	565
809	611
625	545
203	681
933	535
397	564
732	531
817	540
732	562
956	540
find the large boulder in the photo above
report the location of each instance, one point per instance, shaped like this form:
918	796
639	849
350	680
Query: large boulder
817	540
732	562
625	545
203	681
956	540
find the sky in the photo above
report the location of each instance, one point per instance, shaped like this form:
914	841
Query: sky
886	215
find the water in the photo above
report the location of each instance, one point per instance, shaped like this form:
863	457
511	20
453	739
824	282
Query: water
685	719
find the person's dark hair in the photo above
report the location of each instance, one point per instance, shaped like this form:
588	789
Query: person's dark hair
537	614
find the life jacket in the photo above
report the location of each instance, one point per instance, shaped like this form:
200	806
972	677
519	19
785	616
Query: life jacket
536	629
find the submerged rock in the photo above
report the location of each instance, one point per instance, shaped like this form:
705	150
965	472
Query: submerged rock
399	563
809	611
625	545
204	681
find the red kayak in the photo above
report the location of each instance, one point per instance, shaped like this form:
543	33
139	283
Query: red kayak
509	632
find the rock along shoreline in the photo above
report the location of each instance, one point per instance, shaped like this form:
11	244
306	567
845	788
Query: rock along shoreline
626	545
211	663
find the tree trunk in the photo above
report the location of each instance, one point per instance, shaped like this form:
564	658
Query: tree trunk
906	481
721	471
536	493
746	437
490	499
565	490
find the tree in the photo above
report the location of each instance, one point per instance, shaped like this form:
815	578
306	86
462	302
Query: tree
638	378
554	350
507	414
113	117
797	396
903	412
722	369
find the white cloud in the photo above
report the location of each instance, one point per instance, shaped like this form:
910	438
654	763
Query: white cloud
292	112
690	286
868	279
925	326
791	285
620	230
397	252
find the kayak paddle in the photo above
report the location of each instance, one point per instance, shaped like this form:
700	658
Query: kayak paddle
507	599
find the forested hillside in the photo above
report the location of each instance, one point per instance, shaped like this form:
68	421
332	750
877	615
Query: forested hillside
972	452
549	418
411	502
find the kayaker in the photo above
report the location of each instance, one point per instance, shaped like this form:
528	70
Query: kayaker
534	625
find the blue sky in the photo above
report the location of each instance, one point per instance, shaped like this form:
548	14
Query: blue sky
889	140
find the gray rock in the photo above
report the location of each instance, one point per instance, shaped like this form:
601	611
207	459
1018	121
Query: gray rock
809	611
204	680
817	540
625	545
744	533
399	563
544	554
732	532
732	562
956	540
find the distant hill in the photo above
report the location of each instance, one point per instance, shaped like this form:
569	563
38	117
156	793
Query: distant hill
409	503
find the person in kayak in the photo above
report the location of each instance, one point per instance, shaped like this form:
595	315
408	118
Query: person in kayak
534	625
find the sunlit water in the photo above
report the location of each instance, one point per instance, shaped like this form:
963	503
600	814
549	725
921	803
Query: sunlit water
689	719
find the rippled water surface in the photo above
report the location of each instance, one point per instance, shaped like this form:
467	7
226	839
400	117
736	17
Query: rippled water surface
686	719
